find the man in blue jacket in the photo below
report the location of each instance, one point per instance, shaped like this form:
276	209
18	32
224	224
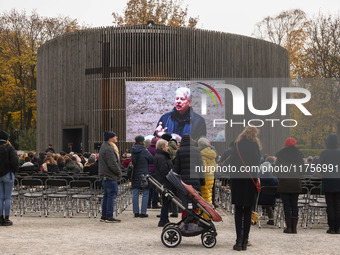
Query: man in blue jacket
182	119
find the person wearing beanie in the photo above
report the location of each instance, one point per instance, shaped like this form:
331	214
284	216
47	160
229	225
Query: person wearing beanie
182	119
141	158
108	135
90	161
331	183
109	172
289	185
290	142
50	149
167	137
8	165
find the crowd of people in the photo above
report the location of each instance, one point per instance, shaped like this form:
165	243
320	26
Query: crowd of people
159	158
163	154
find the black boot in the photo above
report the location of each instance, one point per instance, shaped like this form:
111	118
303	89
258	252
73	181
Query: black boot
1	220
7	222
331	227
238	245
337	229
288	229
244	244
294	224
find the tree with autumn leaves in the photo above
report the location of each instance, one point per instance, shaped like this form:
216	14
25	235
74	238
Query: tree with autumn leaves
164	12
313	45
20	36
314	50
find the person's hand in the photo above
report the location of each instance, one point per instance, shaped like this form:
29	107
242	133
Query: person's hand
159	130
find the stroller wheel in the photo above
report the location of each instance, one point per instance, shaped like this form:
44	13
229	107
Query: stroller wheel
208	240
171	237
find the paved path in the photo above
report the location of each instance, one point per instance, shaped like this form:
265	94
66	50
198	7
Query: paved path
34	235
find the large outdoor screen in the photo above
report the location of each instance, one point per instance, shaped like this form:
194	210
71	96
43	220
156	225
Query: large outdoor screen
147	102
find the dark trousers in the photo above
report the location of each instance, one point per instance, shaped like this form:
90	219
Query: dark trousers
290	204
153	194
165	210
242	222
333	209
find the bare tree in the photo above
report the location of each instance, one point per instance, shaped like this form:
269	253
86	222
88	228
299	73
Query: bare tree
323	50
288	29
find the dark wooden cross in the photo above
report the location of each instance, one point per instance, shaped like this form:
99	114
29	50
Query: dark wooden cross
106	69
107	84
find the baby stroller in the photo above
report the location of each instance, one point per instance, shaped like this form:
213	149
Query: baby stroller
193	224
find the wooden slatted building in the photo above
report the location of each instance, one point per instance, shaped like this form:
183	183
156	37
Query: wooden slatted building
81	76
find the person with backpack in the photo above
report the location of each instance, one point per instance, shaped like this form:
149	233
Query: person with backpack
8	165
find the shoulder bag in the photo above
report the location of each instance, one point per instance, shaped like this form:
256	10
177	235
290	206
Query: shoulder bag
258	182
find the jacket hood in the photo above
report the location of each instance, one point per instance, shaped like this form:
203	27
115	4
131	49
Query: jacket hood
186	140
332	141
137	148
173	145
208	153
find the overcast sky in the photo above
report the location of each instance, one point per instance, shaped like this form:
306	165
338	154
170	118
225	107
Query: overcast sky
235	16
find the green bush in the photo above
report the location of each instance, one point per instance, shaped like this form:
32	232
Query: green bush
27	140
311	152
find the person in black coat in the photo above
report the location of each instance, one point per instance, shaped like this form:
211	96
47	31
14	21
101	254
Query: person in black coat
331	184
141	158
9	164
28	167
50	149
187	158
290	186
162	165
243	188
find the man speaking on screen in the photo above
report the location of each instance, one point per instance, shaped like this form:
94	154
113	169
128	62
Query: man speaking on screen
178	120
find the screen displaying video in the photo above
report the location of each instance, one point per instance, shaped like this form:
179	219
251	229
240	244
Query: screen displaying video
148	102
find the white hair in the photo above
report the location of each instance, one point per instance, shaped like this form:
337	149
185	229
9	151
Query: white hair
203	142
185	91
161	143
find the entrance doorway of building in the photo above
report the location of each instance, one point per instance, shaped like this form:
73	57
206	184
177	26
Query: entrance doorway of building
74	139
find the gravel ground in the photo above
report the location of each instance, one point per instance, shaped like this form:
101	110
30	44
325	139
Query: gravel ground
35	235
